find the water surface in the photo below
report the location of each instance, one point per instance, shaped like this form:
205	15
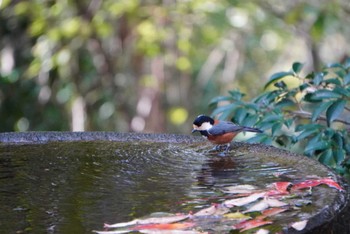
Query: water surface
76	187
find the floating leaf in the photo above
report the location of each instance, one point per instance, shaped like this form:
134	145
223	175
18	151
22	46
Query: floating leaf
164	226
312	183
259	206
244	200
272	202
164	219
283	187
299	225
244	188
237	216
247	225
271	212
215	209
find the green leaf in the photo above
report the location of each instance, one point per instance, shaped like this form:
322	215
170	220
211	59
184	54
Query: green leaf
347	63
326	157
323	94
285	102
335	81
236	94
338	155
306	133
297	67
347	79
302	127
318	78
277	76
260	138
250	120
319	145
342	91
335	110
240	114
272	118
318	111
218	99
230	107
276	127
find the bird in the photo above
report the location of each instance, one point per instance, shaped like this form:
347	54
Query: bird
219	132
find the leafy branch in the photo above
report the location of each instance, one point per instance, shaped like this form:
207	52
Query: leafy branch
305	113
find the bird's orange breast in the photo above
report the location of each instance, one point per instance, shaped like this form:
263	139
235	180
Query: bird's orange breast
222	139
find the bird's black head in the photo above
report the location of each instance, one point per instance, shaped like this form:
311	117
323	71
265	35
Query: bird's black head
202	123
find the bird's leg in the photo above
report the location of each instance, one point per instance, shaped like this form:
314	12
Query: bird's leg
215	148
228	146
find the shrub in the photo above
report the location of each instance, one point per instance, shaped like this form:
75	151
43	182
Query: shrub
306	114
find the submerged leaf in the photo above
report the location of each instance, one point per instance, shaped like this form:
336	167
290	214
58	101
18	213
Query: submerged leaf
163	226
299	225
271	212
316	182
246	225
244	200
283	187
238	189
259	206
215	209
237	216
152	220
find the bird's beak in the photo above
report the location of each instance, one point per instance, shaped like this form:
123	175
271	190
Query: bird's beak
194	130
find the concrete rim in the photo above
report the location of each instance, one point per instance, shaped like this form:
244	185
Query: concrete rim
322	222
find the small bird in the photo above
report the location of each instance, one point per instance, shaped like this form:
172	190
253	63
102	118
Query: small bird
219	132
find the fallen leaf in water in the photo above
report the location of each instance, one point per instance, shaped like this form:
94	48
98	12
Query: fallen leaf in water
274	202
244	200
215	209
152	220
331	183
316	182
249	224
259	206
172	232
112	232
262	231
271	212
163	226
283	187
239	189
299	225
237	216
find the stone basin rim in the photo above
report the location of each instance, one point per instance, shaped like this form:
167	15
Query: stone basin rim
56	136
318	223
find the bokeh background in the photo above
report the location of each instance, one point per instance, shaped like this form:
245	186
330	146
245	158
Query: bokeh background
148	65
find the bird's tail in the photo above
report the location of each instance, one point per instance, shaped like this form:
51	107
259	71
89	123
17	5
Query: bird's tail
249	129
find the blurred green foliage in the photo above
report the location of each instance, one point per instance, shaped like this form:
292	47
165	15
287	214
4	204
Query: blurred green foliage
131	65
307	114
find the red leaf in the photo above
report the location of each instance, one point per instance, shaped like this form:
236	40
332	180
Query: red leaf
246	225
331	183
283	187
316	182
163	226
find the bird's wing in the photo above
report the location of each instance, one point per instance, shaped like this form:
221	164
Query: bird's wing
224	127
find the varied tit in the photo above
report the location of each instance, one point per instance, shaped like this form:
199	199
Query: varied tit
219	132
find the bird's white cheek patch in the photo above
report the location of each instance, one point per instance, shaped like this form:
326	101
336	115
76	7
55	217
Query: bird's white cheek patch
205	126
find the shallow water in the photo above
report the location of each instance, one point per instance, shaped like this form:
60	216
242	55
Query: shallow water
76	187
